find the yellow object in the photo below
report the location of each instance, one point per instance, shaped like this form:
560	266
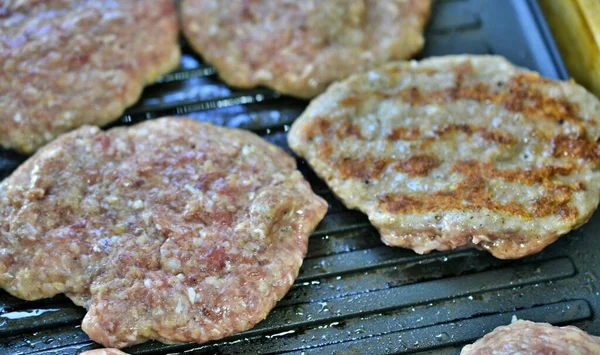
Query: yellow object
575	25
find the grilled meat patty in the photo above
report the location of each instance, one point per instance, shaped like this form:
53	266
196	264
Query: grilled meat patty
458	150
66	63
529	338
299	47
171	230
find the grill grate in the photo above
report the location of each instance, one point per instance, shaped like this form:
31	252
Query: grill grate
353	294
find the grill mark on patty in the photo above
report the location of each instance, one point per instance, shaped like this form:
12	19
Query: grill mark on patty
322	125
521	94
417	165
528	177
569	146
470	194
411	134
475	199
326	149
562	145
473	193
487	134
366	168
398	70
558	204
498	137
370	168
350	101
344	129
404	133
459	75
348	129
524	87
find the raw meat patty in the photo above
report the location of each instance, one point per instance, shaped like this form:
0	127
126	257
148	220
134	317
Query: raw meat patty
529	338
171	230
458	150
66	63
299	47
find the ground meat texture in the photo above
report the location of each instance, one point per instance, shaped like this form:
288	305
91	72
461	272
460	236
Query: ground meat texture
66	63
458	151
172	229
529	338
299	47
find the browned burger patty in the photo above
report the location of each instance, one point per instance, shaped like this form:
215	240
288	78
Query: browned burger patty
458	150
66	63
299	47
529	338
171	230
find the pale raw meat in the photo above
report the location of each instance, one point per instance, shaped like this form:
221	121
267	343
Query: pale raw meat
172	229
66	63
300	46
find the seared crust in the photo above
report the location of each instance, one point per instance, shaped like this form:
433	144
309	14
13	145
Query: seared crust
66	63
529	338
172	229
456	151
299	47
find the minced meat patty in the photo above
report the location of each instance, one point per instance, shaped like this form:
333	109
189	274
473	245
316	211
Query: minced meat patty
458	150
172	229
67	63
299	47
529	338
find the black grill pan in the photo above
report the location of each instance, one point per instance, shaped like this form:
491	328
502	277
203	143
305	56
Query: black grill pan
355	295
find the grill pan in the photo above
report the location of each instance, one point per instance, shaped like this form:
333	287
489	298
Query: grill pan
354	295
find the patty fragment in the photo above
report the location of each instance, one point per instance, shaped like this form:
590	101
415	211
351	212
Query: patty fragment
529	338
299	47
458	150
66	63
171	230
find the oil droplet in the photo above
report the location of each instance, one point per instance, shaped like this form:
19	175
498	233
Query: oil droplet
359	331
442	337
27	314
324	307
